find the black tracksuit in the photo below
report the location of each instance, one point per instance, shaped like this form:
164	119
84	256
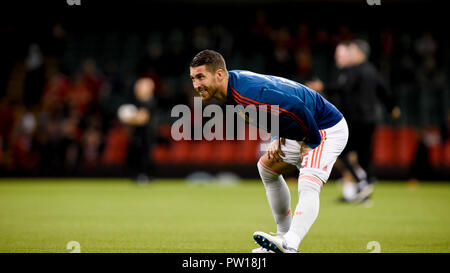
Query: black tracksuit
141	143
355	93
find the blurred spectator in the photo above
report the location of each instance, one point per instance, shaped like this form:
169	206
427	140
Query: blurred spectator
426	45
54	93
69	142
79	97
143	136
92	145
23	154
91	78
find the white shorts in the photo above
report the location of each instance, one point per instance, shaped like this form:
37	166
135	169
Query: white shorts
318	163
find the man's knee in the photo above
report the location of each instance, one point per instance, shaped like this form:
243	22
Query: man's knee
272	164
265	168
309	182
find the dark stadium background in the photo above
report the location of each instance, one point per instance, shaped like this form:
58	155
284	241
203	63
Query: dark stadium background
58	116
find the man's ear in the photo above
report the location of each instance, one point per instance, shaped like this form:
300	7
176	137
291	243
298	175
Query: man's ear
220	74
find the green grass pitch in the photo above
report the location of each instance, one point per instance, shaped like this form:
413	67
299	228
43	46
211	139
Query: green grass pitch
114	215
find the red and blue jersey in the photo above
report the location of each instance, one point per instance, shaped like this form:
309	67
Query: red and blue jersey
302	111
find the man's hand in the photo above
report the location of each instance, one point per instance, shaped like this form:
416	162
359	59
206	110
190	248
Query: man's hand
274	150
140	119
304	149
396	112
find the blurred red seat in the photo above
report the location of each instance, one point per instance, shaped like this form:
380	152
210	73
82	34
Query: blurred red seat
161	153
224	152
179	151
247	151
406	141
116	147
446	157
201	152
434	145
383	146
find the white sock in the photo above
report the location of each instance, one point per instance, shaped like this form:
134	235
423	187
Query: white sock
305	213
361	173
349	190
362	177
278	196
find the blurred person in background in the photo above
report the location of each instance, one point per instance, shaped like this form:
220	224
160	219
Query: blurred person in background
357	89
23	147
142	134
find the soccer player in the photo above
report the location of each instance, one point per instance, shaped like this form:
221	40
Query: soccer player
142	137
312	134
358	87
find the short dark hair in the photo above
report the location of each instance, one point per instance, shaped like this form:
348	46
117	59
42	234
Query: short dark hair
212	59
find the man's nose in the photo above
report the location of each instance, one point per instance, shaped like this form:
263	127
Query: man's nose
195	83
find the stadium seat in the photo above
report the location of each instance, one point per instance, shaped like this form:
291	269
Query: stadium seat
435	146
201	152
116	147
224	152
160	154
179	151
383	146
406	140
446	157
248	151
